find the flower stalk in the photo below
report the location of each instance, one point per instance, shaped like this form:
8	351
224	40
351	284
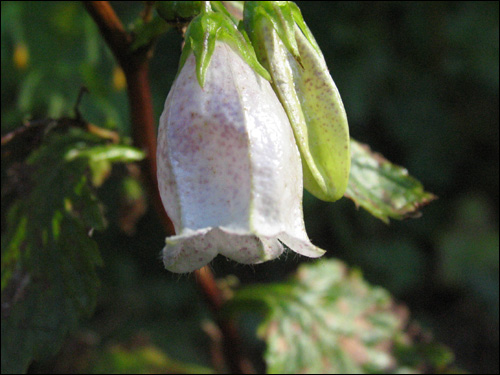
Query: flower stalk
119	42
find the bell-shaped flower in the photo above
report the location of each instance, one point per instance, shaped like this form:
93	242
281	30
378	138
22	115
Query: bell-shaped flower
286	48
229	170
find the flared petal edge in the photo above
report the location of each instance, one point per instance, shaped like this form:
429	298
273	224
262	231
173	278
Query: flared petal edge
194	249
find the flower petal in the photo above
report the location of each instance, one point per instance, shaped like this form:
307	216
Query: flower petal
203	163
246	248
229	169
193	250
188	252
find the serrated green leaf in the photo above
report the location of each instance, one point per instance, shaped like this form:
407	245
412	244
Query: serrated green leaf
49	259
382	188
329	320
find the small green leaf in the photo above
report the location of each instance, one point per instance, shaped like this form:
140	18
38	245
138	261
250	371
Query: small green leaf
382	188
145	33
111	153
327	319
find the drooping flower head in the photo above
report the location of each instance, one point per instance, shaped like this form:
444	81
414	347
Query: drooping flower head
229	169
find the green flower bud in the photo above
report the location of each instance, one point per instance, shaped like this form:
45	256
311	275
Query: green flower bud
286	48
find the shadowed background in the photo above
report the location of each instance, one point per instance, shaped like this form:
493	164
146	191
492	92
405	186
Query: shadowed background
420	85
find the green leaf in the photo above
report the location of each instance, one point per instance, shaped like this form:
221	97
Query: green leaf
382	188
145	33
110	153
146	359
49	259
327	319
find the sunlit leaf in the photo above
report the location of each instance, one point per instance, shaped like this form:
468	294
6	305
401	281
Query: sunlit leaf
327	319
382	188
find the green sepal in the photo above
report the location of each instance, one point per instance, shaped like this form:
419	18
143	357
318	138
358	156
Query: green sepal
299	20
307	92
279	14
205	30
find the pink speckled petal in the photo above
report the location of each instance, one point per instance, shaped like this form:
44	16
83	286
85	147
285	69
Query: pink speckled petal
191	251
246	248
188	252
229	170
203	154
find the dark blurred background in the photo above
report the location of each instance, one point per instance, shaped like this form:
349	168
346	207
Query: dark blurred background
419	81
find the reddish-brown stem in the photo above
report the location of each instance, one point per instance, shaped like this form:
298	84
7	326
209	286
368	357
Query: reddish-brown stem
235	360
144	134
136	65
110	27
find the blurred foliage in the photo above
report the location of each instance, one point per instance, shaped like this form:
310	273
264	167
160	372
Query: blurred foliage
145	359
326	320
145	32
49	261
420	85
56	32
460	264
